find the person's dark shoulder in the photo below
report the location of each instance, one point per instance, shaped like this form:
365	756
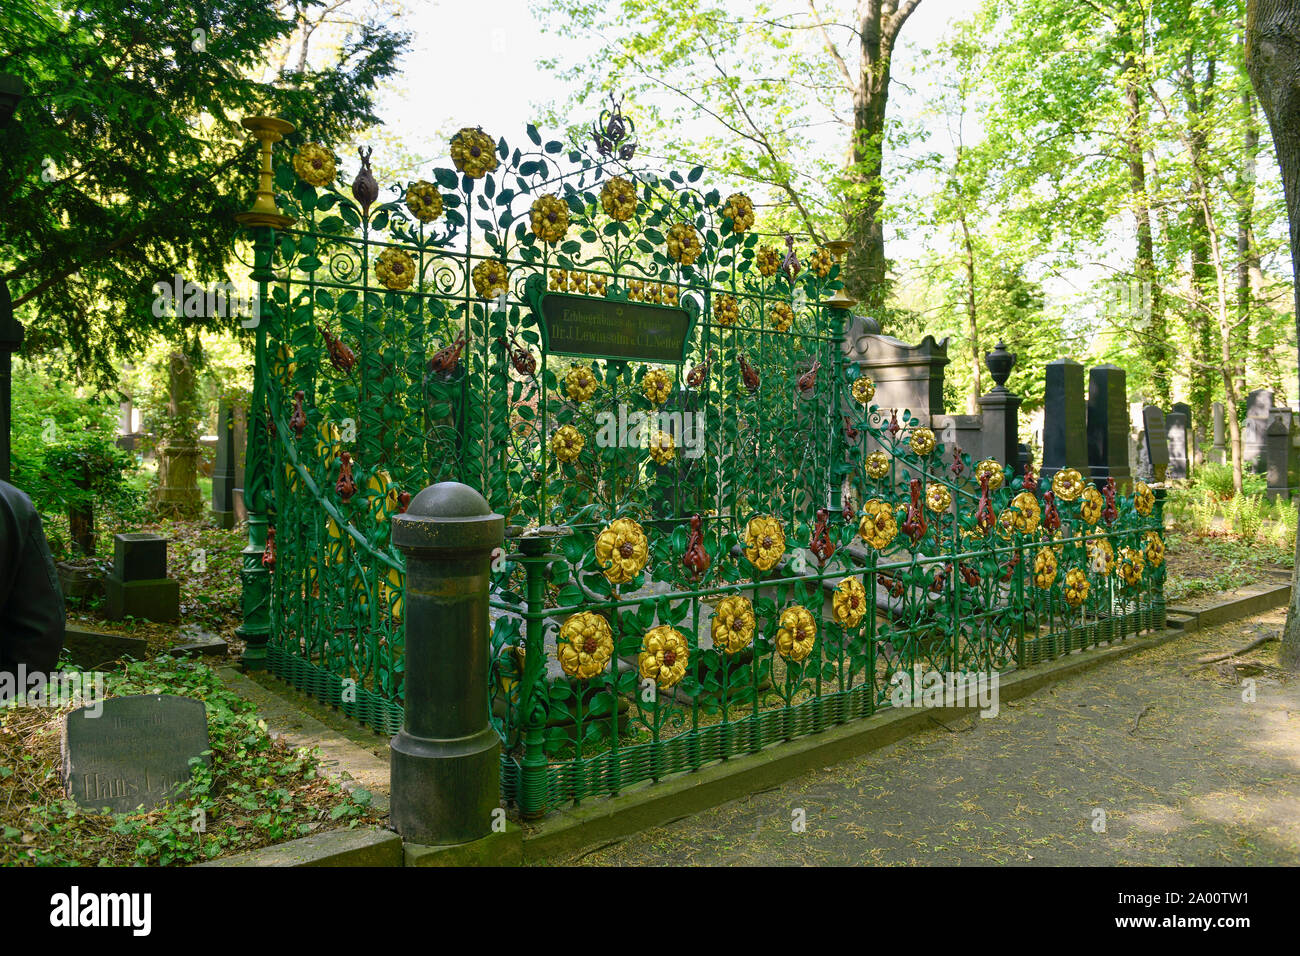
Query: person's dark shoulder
16	509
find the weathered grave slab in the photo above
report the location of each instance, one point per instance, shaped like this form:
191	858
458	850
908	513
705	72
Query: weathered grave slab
126	753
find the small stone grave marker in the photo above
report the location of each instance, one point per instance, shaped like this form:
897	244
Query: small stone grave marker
129	752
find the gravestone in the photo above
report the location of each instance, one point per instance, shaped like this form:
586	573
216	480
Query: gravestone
223	468
1278	457
129	752
138	585
1157	446
999	409
1065	438
1254	437
1178	433
1108	425
1219	450
906	376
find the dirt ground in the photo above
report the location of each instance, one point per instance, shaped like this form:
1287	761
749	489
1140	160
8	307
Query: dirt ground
1145	760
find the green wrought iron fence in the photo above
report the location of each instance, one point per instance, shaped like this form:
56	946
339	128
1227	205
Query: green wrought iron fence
717	541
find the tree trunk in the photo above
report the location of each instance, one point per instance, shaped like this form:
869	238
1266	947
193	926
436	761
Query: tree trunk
1247	252
178	492
1199	106
1273	61
972	317
864	265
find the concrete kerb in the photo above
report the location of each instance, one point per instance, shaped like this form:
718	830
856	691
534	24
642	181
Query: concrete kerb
654	804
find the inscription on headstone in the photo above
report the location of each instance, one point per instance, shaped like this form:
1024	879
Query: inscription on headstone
129	752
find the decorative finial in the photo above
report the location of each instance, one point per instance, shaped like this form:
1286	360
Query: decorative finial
1000	362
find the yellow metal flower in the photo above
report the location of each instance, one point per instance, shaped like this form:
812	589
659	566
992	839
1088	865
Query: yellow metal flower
473	152
1093	502
740	211
922	441
396	270
864	390
797	633
585	645
782	316
618	199
769	260
876	464
820	262
664	654
636	291
490	278
656	386
1076	587
1045	568
726	310
683	243
424	201
1026	512
662	449
314	165
849	603
622	550
938	499
597	284
566	443
580	383
1130	565
1144	499
1101	556
993	469
550	218
764	542
578	282
558	280
732	624
879	525
1155	550
1067	484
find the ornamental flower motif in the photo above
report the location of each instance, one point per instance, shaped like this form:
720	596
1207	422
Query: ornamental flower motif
864	390
1026	512
993	469
314	165
922	441
473	152
580	383
1155	550
1144	499
618	199
938	499
1130	566
782	316
656	386
490	278
797	633
849	603
585	645
424	201
1076	587
764	542
820	262
663	657
879	525
876	464
559	278
1101	556
768	260
622	550
740	211
732	625
566	443
726	310
662	449
396	270
1045	568
1093	502
1067	484
683	243
550	218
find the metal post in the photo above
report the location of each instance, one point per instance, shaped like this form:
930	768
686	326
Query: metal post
446	760
532	709
11	339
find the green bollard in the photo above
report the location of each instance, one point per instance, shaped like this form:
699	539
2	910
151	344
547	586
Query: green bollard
446	761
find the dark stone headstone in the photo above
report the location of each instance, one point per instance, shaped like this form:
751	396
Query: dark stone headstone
1219	451
1157	446
130	752
1065	441
1176	429
1277	455
139	556
1254	437
223	468
1108	425
90	649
